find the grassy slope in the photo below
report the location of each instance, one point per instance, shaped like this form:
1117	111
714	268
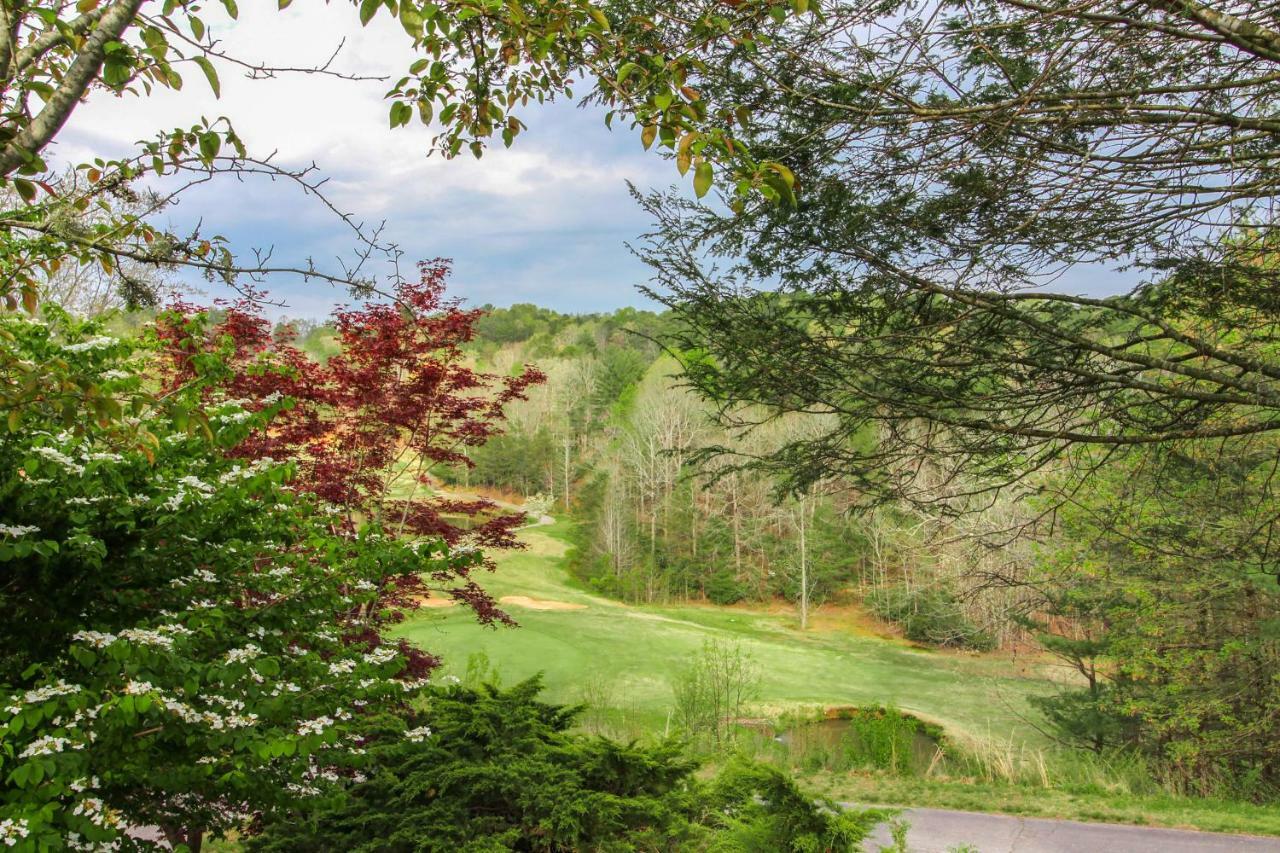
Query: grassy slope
636	648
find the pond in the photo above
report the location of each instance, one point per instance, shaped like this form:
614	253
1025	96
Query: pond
880	738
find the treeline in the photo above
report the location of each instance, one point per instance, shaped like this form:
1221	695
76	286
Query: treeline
612	436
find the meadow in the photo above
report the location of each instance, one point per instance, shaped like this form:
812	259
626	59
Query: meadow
588	647
619	659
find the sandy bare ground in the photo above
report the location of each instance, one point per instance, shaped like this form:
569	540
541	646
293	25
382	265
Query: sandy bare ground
539	603
430	601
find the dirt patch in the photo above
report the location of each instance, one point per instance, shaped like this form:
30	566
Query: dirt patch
429	601
539	603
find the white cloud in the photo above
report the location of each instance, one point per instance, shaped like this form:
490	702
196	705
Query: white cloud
545	220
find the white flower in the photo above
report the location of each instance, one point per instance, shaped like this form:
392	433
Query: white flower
138	688
47	745
96	639
59	458
197	484
418	735
18	529
146	637
238	721
81	785
314	727
100	342
41	694
341	667
106	457
13	831
116	374
241	655
96	812
381	655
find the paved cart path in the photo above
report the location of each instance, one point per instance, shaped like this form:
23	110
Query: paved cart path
939	830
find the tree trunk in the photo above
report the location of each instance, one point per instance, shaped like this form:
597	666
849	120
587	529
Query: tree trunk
804	570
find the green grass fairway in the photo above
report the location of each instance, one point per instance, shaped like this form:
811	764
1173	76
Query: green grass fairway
632	651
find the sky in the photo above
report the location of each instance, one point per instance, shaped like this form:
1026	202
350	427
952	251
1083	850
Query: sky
546	221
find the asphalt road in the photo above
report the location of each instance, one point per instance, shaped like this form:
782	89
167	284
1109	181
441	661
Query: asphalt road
938	831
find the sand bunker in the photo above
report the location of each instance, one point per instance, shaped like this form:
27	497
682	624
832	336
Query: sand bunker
539	603
427	601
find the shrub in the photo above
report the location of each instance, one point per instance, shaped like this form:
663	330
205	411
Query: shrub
713	690
929	616
500	770
723	588
186	640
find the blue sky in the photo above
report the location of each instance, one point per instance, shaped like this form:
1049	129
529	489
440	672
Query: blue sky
546	221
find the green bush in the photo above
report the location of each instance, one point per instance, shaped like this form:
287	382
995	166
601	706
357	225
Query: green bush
929	616
500	770
723	588
884	738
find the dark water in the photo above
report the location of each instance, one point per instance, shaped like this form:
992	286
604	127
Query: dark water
871	739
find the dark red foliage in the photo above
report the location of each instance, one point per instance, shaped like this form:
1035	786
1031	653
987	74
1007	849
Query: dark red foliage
368	426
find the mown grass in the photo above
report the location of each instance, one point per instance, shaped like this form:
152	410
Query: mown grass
620	659
631	652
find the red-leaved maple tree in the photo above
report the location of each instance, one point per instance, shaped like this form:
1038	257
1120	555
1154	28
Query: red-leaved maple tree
368	427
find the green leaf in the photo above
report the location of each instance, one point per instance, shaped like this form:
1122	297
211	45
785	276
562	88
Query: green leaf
26	189
702	177
367	8
410	19
210	73
116	70
783	172
210	144
400	115
647	135
627	69
232	9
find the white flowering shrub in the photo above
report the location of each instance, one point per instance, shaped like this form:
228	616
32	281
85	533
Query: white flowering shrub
185	642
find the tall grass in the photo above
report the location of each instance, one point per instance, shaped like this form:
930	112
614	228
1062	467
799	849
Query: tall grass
886	740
